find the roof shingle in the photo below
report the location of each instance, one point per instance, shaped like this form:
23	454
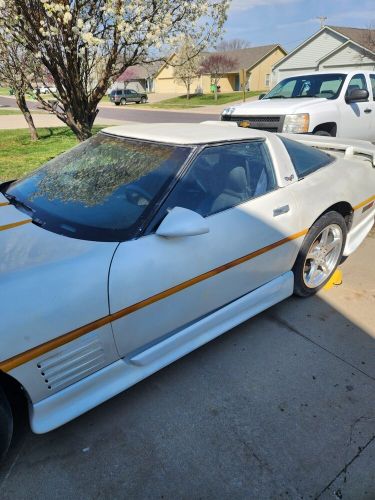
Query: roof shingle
246	58
362	36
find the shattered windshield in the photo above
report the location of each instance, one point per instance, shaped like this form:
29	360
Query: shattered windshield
103	189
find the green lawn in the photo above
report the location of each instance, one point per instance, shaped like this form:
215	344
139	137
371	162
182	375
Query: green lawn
196	101
9	111
19	155
4	90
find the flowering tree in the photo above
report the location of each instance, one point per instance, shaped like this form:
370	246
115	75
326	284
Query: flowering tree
217	65
186	65
128	75
86	44
13	61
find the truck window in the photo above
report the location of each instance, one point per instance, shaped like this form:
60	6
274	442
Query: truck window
357	82
372	80
326	85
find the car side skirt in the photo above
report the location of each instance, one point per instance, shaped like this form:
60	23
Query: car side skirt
102	385
359	232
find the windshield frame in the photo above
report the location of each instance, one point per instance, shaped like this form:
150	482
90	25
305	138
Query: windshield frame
134	231
295	77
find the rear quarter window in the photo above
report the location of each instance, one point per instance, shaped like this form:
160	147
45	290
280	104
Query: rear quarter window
305	159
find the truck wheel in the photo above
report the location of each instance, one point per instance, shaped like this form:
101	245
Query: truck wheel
320	254
143	100
123	101
323	132
6	424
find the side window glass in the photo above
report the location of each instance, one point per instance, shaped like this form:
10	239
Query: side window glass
222	177
305	159
372	79
357	82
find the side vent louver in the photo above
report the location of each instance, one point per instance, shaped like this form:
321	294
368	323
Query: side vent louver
72	363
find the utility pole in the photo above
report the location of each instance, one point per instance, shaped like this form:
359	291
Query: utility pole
322	19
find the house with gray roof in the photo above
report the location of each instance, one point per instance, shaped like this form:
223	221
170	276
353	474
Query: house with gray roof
257	63
331	48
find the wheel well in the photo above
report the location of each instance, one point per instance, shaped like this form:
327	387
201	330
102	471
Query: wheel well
345	209
330	127
15	393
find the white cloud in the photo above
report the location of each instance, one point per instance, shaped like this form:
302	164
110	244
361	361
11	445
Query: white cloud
368	15
306	22
250	4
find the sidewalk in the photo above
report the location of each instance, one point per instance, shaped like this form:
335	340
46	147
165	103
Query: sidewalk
12	122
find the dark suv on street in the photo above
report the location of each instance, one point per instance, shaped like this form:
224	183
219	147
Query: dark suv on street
122	96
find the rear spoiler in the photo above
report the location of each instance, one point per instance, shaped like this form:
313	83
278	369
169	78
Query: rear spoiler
349	150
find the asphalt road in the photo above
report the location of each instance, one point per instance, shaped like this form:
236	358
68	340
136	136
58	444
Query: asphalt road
281	407
131	113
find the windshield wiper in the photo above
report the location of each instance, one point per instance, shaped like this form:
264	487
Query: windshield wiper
18	203
24	208
277	97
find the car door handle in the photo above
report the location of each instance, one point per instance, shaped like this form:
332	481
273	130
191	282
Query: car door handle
368	110
281	210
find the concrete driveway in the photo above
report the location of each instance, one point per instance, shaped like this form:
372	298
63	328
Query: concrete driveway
281	407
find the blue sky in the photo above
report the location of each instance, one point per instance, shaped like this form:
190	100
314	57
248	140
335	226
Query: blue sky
289	22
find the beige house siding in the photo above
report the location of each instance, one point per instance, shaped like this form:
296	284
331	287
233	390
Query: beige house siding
257	79
165	82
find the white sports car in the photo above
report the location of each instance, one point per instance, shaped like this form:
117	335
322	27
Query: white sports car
147	241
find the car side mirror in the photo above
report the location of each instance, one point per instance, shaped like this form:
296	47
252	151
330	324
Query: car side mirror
181	222
357	95
261	96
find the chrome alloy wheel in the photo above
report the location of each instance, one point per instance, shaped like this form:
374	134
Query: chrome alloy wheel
323	255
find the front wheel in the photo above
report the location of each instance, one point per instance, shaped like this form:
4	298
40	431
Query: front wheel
143	100
123	102
6	424
320	254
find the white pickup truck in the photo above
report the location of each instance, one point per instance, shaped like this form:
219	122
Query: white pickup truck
334	104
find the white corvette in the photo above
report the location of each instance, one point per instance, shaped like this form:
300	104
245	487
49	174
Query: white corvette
147	241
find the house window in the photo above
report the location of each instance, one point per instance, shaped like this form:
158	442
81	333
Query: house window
267	80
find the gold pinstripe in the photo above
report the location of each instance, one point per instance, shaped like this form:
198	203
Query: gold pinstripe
35	352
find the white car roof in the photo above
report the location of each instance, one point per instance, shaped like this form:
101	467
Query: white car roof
186	133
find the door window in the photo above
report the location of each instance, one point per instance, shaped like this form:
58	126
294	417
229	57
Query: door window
372	80
224	176
357	82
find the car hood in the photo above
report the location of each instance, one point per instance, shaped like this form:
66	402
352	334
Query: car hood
277	106
49	284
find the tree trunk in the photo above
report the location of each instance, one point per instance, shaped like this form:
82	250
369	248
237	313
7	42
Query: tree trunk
188	91
82	126
21	103
215	93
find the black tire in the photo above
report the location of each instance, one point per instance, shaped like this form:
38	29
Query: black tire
117	103
123	101
143	100
330	218
6	424
323	132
